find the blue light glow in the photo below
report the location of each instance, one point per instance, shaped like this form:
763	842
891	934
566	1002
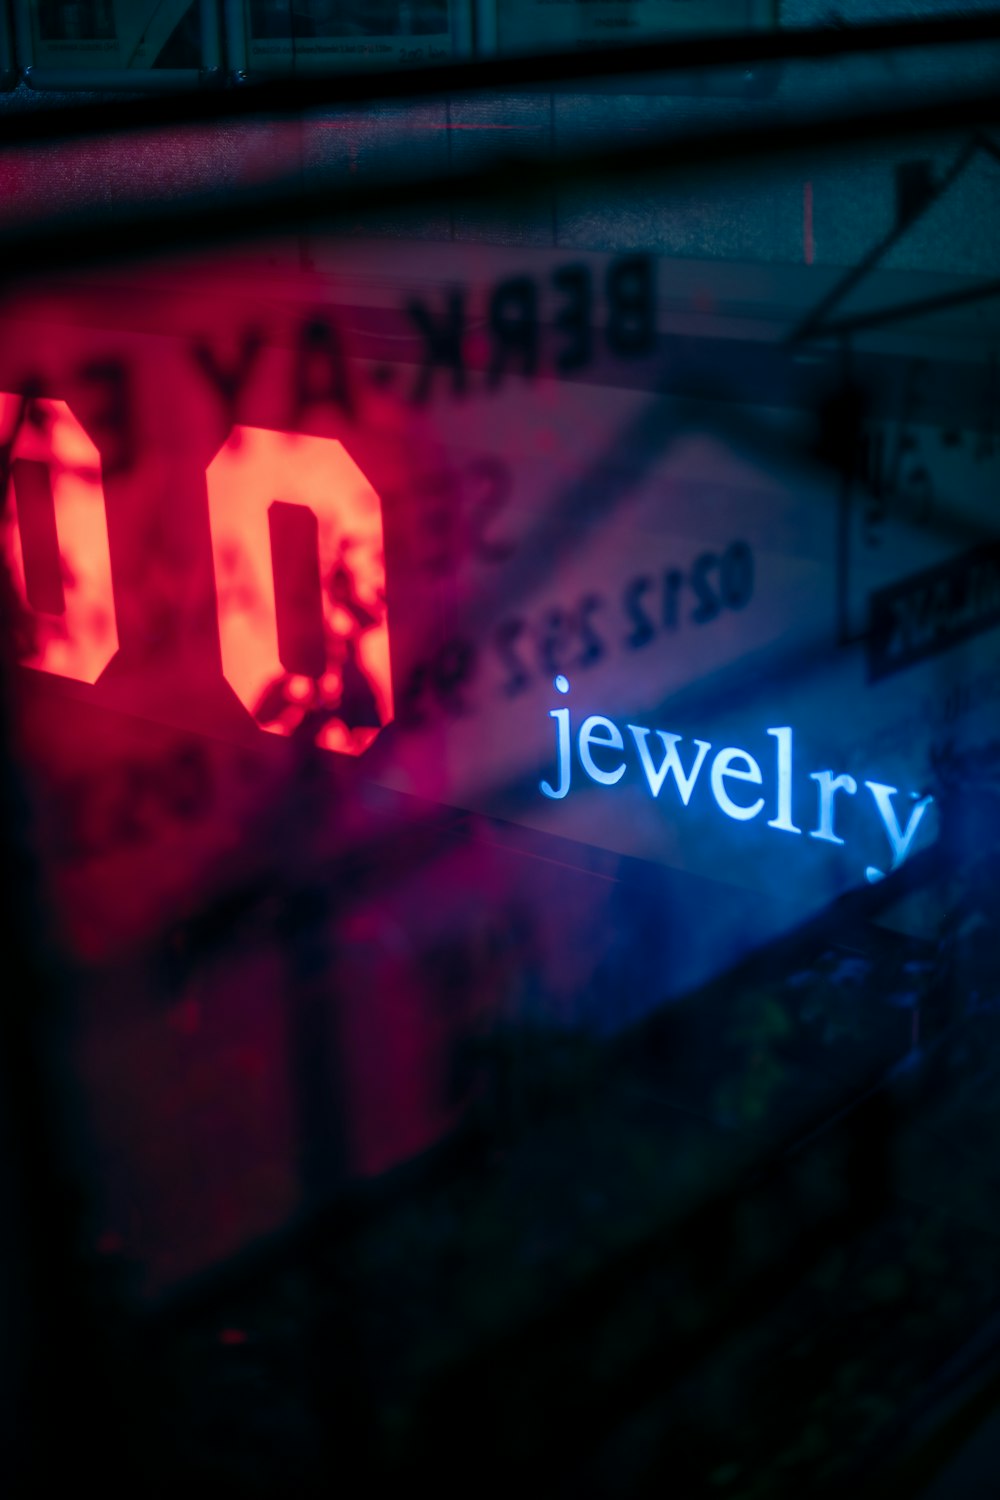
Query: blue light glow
598	730
728	765
738	766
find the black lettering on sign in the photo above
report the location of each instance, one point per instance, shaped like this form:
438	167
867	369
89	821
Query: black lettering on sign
321	377
708	603
566	638
933	611
446	677
736	575
643	629
513	321
505	642
573	318
673	582
555	638
230	380
443	337
735	589
593	645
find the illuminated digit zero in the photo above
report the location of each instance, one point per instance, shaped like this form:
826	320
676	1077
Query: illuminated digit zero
300	580
56	538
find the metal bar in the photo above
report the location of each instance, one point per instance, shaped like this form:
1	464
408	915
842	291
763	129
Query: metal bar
294	96
249	211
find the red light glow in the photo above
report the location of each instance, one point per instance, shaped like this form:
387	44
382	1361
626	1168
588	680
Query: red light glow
300	577
56	540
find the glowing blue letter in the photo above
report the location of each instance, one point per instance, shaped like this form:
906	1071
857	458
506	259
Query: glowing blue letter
722	766
670	762
611	738
829	785
784	818
561	716
899	839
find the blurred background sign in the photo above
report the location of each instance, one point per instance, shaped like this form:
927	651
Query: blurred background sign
133	44
558	25
267	37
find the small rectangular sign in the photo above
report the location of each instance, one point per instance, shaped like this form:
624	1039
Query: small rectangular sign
934	610
316	36
536	25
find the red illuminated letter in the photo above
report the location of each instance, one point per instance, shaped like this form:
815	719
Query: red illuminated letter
57	538
300	577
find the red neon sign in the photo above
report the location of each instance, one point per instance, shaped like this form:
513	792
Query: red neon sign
300	581
299	565
57	538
